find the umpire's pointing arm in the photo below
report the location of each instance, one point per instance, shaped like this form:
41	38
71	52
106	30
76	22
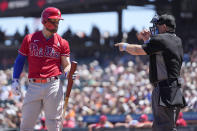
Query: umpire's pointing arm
132	49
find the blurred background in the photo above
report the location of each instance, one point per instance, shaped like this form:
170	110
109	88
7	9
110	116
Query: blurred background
110	83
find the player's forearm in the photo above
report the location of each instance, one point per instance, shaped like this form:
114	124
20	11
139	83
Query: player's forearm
66	65
18	66
66	69
134	49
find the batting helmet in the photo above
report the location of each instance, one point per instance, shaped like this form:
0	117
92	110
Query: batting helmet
50	13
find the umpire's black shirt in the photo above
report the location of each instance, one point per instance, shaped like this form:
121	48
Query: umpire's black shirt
166	55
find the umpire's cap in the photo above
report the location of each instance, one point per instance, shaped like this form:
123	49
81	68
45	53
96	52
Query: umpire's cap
168	20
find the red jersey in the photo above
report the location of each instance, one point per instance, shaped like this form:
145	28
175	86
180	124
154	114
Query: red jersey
69	124
98	125
44	55
181	122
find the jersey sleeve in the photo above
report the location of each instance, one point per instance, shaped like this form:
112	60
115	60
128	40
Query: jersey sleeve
154	45
65	50
24	49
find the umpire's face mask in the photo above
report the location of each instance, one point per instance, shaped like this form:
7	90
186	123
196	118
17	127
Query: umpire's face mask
154	30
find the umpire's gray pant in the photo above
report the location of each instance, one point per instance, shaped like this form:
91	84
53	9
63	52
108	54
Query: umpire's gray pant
48	97
164	117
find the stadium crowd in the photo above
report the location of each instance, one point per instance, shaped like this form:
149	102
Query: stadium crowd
114	89
106	84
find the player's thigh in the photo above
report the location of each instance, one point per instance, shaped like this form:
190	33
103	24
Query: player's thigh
30	112
53	101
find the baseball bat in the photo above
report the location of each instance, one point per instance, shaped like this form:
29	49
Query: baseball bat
69	87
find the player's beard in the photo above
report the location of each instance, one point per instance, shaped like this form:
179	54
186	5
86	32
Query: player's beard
51	27
52	30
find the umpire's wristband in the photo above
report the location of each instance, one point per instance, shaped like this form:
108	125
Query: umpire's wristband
124	46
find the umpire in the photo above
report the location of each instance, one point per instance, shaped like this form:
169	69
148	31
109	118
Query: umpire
165	50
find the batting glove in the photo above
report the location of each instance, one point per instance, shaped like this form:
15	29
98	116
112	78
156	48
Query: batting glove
16	89
74	76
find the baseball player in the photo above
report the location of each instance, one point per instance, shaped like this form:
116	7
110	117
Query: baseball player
165	51
48	57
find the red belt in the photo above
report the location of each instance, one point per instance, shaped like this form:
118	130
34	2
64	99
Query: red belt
43	80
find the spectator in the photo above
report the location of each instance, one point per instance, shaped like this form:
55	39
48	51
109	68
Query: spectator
103	123
181	121
132	36
26	31
69	122
67	35
144	122
95	35
17	38
80	123
129	122
2	37
2	122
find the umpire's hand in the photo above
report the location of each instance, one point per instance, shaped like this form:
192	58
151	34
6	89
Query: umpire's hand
144	35
122	46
